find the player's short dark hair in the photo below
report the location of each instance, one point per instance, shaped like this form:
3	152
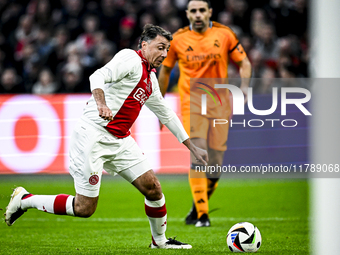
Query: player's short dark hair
207	1
150	32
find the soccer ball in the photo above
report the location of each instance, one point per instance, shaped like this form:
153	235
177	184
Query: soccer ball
244	237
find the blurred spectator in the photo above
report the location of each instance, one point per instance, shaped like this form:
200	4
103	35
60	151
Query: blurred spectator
288	71
267	44
26	33
58	54
131	8
240	12
257	21
70	72
76	54
110	17
41	11
145	17
256	59
71	79
279	13
226	18
3	61
266	82
73	11
165	10
247	42
30	65
126	28
11	82
233	72
45	84
104	50
299	18
172	24
44	44
10	16
86	40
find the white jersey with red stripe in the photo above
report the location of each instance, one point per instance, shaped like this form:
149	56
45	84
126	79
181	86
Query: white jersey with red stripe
129	83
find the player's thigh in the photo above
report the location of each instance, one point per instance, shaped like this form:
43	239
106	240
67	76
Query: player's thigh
199	126
85	160
129	162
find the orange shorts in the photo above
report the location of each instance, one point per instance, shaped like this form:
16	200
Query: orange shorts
198	126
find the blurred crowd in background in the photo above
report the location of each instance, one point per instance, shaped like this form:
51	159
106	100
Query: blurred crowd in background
52	46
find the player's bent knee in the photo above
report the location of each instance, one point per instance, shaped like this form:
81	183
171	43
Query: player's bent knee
153	190
149	186
155	193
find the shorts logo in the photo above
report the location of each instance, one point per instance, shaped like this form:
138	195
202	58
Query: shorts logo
94	179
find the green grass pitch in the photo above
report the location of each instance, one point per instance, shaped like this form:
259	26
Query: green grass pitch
279	208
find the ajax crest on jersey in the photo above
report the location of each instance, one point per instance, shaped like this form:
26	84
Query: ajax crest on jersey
244	237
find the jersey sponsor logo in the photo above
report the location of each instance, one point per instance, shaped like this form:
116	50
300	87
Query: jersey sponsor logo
203	57
189	49
94	179
217	44
140	96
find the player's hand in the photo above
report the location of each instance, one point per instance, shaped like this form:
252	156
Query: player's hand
200	155
105	112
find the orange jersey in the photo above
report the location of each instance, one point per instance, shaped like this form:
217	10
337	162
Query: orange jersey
202	55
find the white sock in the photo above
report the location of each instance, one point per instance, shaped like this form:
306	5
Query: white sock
57	204
156	212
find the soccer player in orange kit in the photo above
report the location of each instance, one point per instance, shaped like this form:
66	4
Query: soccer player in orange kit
203	50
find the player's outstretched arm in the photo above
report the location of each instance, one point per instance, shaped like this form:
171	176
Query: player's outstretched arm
200	154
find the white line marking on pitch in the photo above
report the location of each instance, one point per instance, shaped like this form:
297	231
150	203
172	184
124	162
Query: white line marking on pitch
145	219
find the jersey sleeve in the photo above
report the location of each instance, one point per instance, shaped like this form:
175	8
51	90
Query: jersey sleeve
236	51
121	65
157	104
171	58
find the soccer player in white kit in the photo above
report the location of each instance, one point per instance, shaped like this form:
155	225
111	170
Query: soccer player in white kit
102	139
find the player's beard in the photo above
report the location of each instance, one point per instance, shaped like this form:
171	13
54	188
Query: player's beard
200	26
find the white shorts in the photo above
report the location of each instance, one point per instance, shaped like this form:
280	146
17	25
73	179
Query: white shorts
93	149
